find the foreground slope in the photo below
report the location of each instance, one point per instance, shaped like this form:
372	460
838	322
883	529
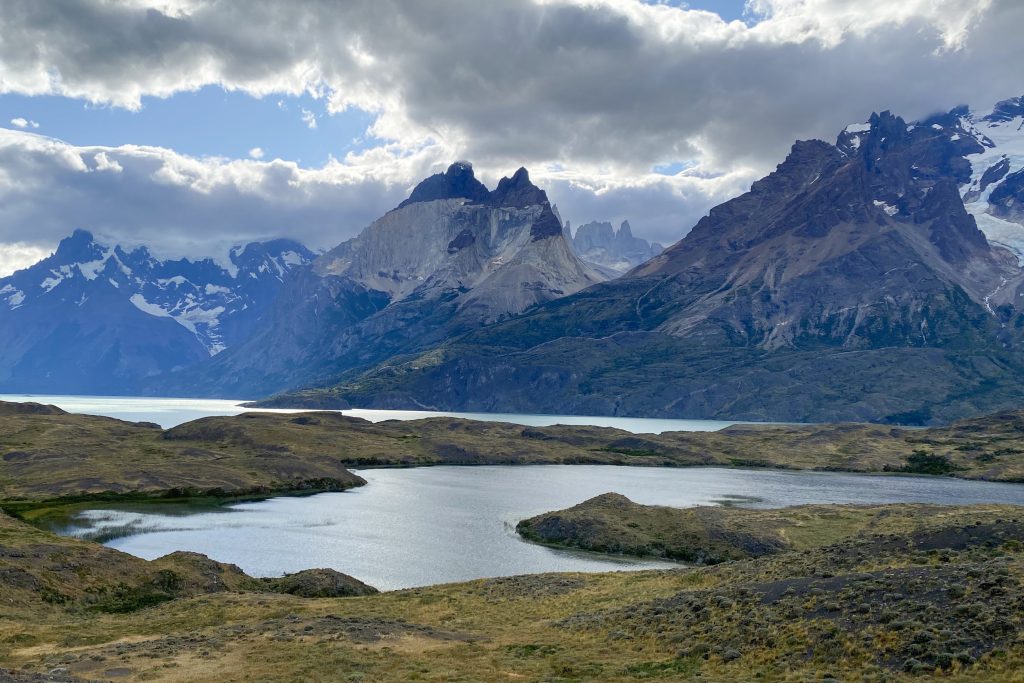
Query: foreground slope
825	592
850	284
936	590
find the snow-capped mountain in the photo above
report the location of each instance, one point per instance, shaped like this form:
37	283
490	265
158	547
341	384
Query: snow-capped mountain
995	195
988	149
92	312
619	250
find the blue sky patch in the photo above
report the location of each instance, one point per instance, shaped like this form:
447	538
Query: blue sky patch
208	122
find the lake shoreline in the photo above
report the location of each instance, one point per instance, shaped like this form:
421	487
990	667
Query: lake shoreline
459	523
29	510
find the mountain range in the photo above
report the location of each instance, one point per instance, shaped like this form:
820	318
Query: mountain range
852	283
873	278
98	319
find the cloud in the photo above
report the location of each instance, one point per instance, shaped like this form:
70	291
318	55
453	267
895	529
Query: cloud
187	206
20	122
591	95
17	255
309	118
256	153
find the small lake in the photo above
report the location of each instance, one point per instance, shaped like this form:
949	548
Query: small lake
170	412
415	527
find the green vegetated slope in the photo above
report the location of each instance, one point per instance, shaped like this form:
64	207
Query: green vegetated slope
918	590
611	523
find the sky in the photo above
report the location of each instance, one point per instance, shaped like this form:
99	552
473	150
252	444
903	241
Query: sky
193	125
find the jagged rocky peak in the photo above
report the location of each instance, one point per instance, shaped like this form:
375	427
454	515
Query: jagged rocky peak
451	258
79	247
428	244
599	243
984	153
594	234
279	255
458	182
518	191
1006	110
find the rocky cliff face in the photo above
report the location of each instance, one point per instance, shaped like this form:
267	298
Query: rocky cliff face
94	318
599	243
449	259
851	283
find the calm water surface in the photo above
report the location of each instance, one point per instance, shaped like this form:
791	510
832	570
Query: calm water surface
414	527
170	412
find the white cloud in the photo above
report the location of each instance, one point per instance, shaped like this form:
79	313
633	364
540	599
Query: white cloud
589	94
105	163
20	122
256	153
17	255
186	206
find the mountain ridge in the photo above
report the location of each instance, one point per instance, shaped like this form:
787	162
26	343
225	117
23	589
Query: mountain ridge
93	317
851	283
434	267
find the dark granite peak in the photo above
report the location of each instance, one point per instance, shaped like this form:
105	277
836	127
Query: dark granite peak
458	181
79	247
518	191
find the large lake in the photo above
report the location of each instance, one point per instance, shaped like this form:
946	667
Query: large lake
414	527
170	412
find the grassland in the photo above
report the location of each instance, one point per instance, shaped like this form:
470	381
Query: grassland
939	591
887	593
613	524
46	454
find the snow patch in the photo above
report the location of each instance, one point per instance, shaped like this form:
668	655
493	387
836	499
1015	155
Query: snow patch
49	283
858	128
176	280
14	296
140	303
1006	234
92	269
292	258
889	209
